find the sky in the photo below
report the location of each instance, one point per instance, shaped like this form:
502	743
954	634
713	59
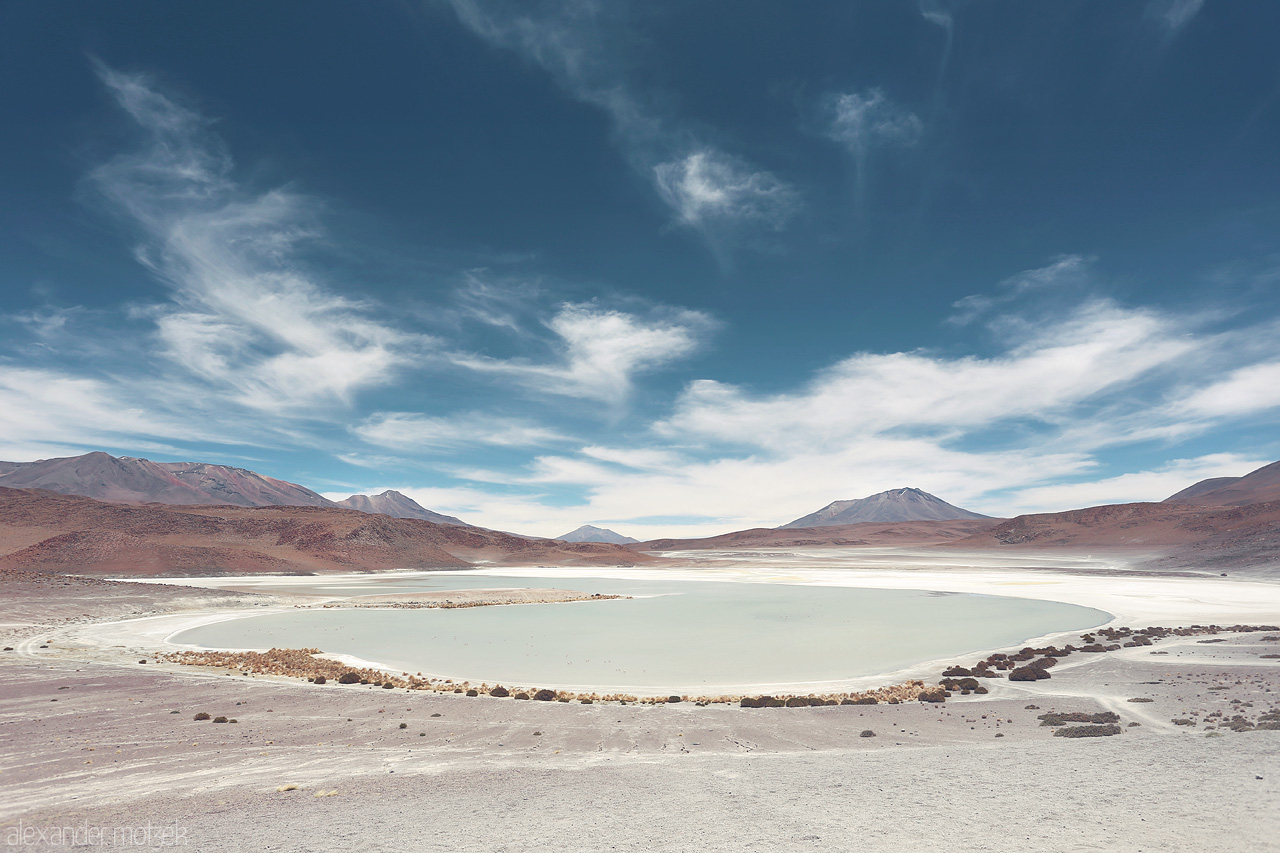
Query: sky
674	269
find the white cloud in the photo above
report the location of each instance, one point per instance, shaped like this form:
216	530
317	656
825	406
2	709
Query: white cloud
599	350
1100	349
1153	485
1246	390
45	413
408	431
247	316
707	186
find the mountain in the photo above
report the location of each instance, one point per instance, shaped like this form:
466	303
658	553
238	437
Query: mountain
396	505
894	505
878	534
51	532
587	533
128	480
1176	535
1258	486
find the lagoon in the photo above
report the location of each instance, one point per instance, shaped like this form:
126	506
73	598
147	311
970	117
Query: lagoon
674	636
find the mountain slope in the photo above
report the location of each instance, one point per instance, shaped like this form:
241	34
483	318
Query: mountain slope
47	531
589	533
396	505
892	533
125	479
1258	486
894	505
1180	535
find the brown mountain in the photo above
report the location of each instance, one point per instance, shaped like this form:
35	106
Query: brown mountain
1175	534
894	505
51	532
1258	486
128	480
849	535
396	505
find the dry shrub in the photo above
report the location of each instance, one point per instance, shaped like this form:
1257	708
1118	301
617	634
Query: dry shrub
1140	699
867	733
201	716
349	678
671	700
1088	731
1028	673
935	695
544	695
956	670
219	719
521	695
404	725
387	685
320	679
748	702
500	691
473	692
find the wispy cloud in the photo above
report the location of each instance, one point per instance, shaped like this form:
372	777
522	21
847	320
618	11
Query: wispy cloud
1066	272
598	351
707	188
413	432
579	44
863	121
246	316
1172	15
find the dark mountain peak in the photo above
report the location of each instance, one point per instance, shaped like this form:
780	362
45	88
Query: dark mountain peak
903	504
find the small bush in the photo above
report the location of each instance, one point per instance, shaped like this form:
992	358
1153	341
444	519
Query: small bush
404	725
544	695
867	733
201	716
1088	731
219	719
500	691
956	670
473	692
671	700
349	678
935	695
1140	699
587	701
1028	673
387	685
320	679
521	695
749	702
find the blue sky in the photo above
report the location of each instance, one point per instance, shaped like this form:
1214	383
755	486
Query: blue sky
670	268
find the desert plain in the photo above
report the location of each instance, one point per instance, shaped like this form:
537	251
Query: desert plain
97	741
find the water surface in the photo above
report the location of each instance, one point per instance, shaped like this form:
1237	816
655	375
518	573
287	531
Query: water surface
682	635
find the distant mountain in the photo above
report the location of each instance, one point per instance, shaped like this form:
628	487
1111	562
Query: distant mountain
893	505
587	533
396	505
125	479
50	532
873	534
1259	486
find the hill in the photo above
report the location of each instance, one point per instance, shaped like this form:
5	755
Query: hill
894	505
866	534
1258	486
51	532
125	479
397	505
589	533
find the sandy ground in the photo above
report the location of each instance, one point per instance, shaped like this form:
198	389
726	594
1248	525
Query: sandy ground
92	740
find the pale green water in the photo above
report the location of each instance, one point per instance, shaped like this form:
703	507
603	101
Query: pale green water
691	635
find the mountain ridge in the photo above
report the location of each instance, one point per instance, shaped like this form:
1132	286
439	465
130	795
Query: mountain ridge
397	505
904	504
591	533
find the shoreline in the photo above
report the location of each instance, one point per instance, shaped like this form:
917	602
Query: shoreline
1142	601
